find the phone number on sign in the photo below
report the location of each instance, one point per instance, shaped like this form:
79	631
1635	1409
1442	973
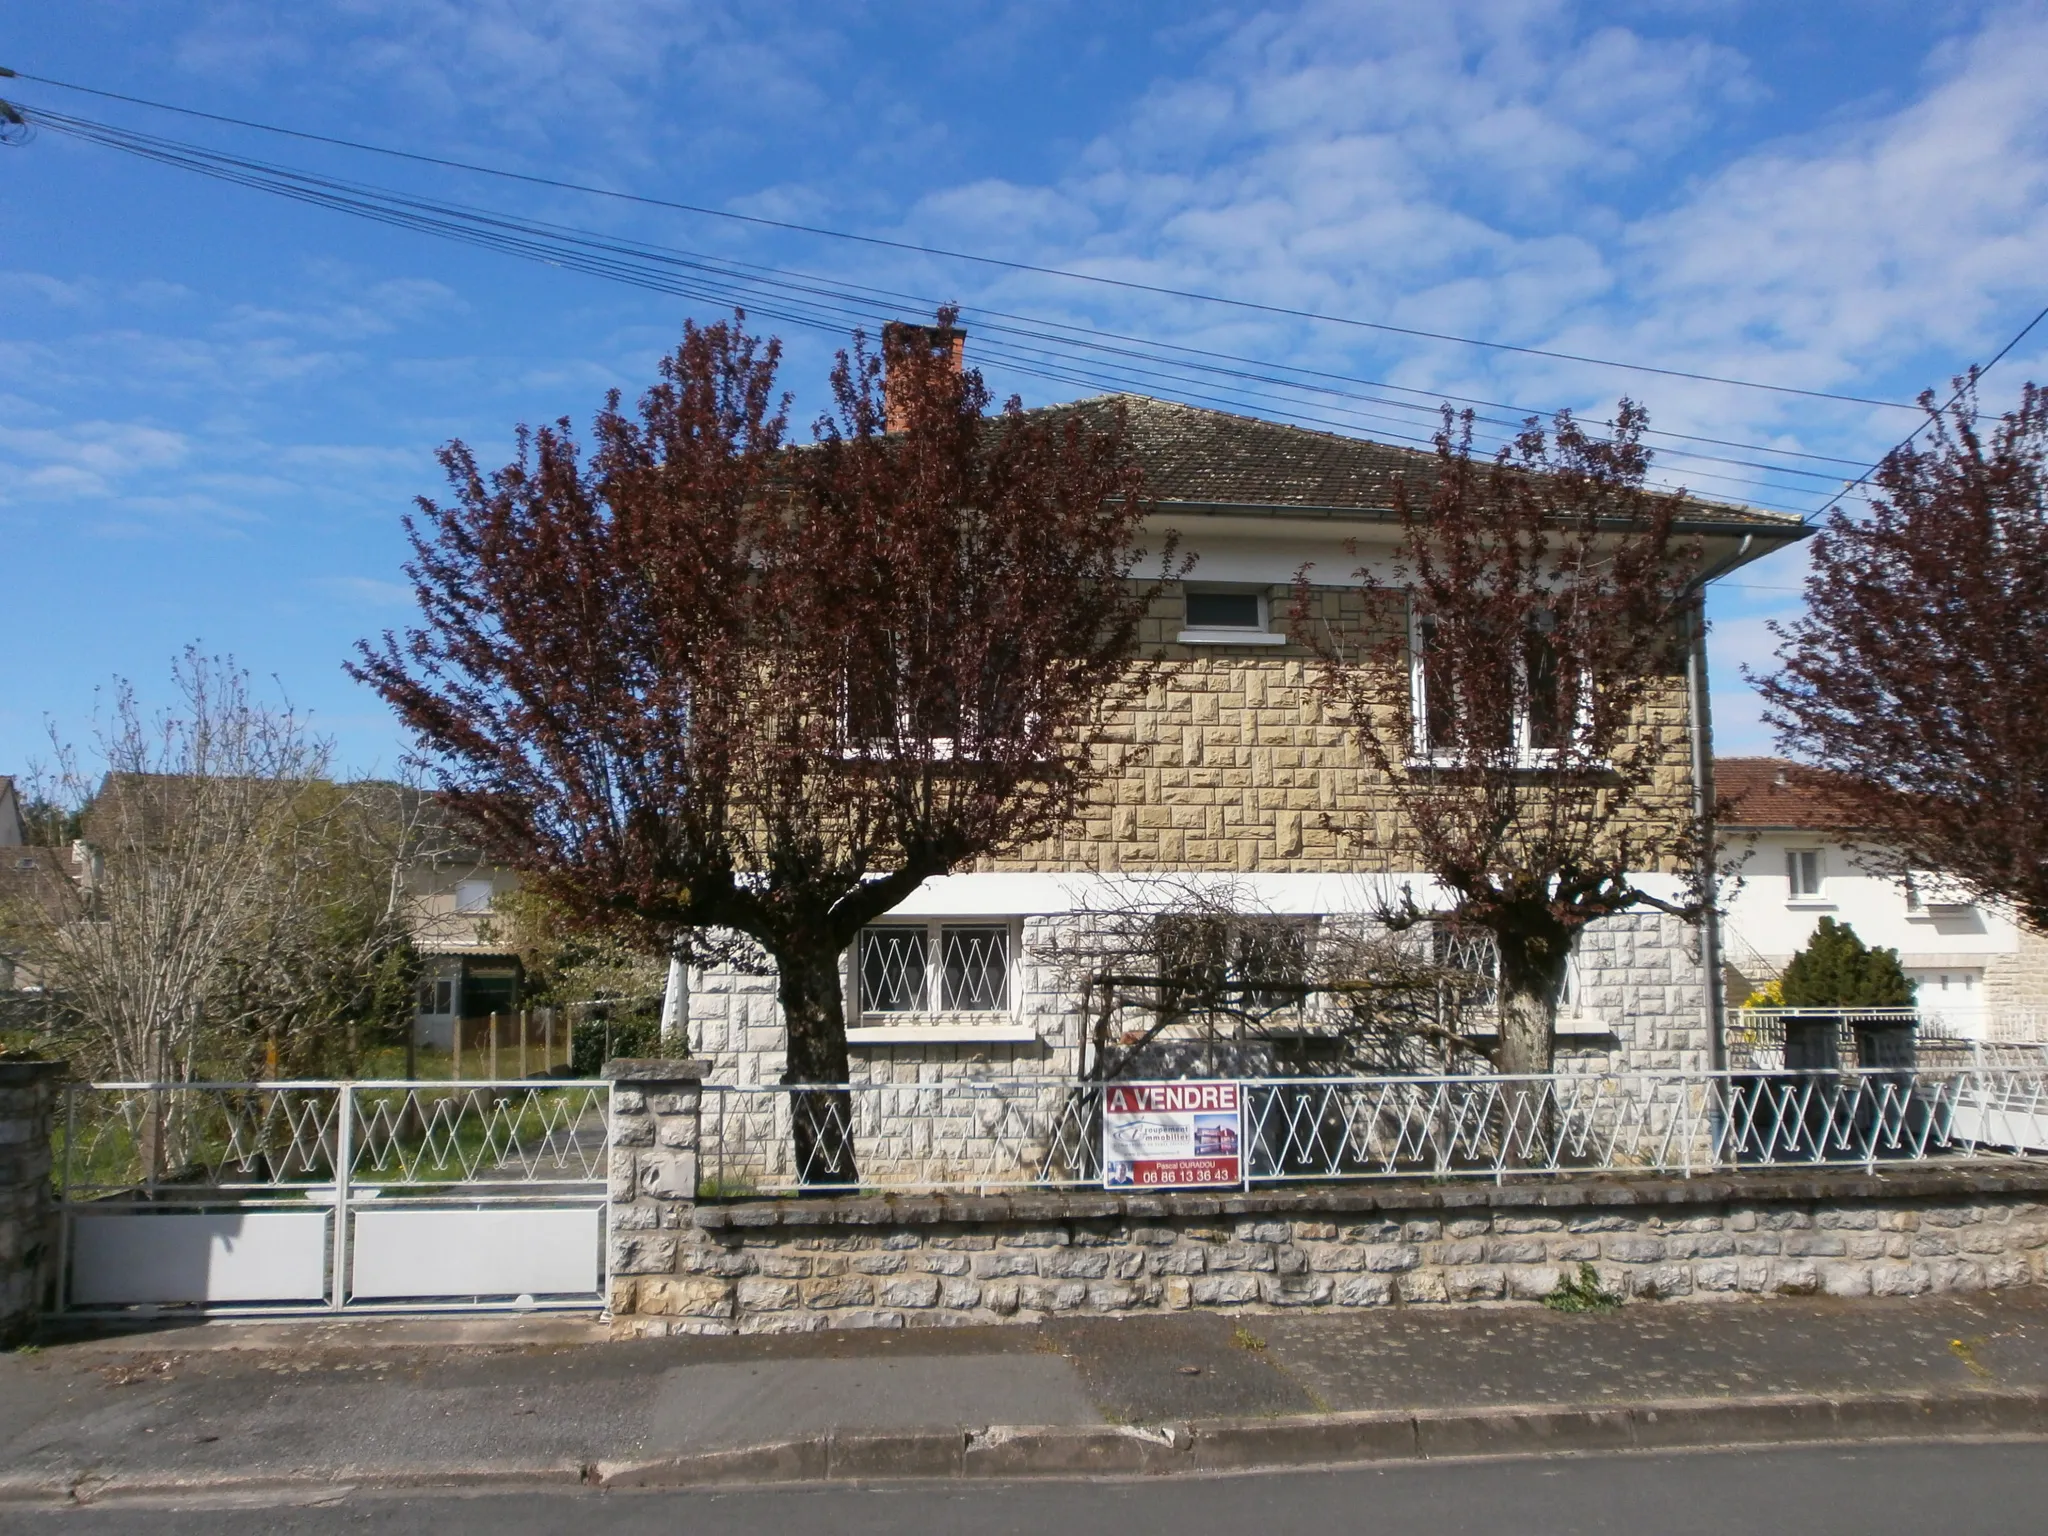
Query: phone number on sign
1205	1170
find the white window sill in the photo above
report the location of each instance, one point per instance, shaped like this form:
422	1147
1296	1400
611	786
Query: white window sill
1542	760
1229	637
943	1032
1570	1025
1810	904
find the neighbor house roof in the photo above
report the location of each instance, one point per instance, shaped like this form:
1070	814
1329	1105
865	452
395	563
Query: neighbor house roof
1775	793
1197	458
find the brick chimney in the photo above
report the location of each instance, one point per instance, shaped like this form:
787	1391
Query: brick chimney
901	339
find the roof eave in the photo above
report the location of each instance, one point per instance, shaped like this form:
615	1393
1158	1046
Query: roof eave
1787	532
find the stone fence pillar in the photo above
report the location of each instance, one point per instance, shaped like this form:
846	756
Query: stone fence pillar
28	1098
653	1171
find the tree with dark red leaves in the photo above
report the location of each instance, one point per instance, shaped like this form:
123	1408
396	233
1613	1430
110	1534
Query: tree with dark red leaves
703	682
1918	673
1517	689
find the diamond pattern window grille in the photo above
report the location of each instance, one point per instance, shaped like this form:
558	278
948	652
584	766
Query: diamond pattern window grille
892	971
976	973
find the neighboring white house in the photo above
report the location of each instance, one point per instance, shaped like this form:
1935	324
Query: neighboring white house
1974	963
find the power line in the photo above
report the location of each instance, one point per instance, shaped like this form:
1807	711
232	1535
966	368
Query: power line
727	280
1907	441
943	253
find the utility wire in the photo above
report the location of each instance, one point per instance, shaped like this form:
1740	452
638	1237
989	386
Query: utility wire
826	304
1907	441
943	253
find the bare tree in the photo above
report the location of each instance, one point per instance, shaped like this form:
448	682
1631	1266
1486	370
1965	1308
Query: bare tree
705	681
234	912
1174	971
1917	676
1504	688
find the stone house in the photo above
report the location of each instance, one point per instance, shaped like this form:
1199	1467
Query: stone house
1236	771
1978	969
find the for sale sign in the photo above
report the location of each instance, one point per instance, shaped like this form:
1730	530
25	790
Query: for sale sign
1171	1135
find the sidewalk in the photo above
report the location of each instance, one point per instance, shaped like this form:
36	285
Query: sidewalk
546	1400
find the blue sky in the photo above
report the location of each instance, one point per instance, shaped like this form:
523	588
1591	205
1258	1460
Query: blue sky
215	405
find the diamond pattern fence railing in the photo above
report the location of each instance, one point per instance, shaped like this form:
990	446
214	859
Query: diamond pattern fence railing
981	1134
143	1139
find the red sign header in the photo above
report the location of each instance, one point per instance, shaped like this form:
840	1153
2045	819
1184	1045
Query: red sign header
1158	1098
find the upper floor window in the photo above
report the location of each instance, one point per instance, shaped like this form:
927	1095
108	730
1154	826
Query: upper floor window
1533	716
1803	872
472	895
1228	616
912	968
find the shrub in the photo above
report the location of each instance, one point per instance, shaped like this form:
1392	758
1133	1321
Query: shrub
1838	970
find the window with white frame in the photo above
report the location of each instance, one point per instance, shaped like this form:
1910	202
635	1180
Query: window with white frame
1226	615
472	895
1804	873
437	996
1546	711
941	967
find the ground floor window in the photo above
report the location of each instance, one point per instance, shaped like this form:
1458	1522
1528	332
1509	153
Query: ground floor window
935	967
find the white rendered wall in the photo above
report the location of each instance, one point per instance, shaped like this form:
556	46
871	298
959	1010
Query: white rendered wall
1766	923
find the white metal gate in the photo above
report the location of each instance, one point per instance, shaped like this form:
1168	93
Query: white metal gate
333	1196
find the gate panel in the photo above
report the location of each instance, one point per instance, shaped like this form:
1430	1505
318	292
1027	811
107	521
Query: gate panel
301	1196
164	1258
491	1251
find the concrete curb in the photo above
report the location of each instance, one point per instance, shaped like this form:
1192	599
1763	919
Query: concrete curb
1216	1445
1233	1445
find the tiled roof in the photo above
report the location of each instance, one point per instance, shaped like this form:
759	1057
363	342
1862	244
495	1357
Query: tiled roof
1191	454
1777	792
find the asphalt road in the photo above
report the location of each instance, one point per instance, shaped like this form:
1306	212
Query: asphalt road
1925	1490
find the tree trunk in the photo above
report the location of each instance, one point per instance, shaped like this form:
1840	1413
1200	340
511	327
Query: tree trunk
1532	968
821	1122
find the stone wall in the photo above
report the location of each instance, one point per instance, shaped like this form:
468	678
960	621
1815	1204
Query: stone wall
764	1266
28	1095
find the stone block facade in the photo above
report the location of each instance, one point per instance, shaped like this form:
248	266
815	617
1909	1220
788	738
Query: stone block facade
1639	1005
679	1265
1237	763
28	1098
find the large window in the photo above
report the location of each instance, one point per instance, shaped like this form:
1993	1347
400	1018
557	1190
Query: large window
940	967
1535	720
1237	963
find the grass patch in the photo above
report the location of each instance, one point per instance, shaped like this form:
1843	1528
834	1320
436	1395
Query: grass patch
1582	1292
1242	1337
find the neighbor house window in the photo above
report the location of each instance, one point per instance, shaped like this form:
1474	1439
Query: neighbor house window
923	968
1803	870
1228	616
437	996
473	896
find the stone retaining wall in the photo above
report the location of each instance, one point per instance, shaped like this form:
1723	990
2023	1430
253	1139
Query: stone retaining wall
764	1266
28	1094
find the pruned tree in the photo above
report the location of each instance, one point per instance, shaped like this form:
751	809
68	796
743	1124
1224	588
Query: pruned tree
1504	685
1172	971
1918	672
704	681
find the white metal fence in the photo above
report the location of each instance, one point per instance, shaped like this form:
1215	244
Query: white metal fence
332	1195
987	1134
